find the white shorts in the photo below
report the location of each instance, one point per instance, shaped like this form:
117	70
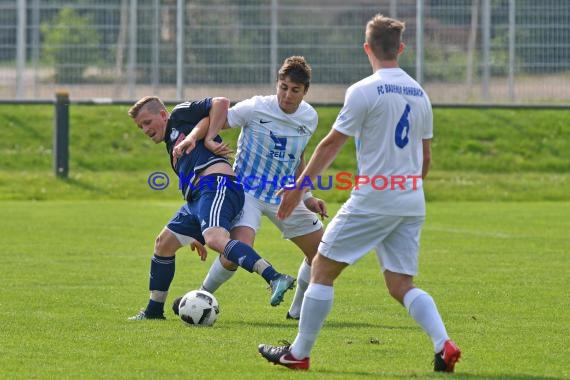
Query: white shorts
301	222
396	239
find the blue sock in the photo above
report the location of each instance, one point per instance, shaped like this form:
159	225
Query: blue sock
269	273
243	255
161	275
154	308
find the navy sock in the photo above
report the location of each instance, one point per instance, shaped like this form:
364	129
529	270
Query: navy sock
161	272
161	275
243	255
269	274
154	308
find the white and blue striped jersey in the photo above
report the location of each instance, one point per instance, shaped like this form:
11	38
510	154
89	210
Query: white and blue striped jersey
270	144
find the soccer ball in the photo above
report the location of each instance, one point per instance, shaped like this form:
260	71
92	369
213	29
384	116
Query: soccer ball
198	308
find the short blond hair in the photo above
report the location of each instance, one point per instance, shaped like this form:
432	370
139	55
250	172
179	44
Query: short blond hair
384	36
152	103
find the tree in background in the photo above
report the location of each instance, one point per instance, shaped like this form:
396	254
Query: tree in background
71	43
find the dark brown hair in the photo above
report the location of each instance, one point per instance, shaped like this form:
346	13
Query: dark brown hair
297	69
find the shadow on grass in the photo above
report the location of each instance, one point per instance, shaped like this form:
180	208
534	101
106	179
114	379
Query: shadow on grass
331	324
85	186
435	375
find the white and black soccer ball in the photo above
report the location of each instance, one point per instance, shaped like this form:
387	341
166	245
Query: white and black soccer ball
198	308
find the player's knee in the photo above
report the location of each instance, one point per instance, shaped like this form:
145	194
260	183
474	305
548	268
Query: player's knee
216	242
163	247
216	238
227	264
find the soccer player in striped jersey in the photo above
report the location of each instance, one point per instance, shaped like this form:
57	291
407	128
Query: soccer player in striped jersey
275	130
213	198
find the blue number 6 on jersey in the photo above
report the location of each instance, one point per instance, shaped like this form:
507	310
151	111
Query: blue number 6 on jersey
403	129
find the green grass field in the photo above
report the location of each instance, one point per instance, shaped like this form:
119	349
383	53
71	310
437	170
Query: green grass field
73	271
76	253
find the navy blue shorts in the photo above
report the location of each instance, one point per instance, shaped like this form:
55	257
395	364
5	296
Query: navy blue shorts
218	202
185	223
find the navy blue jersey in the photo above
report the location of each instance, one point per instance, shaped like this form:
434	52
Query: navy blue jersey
182	120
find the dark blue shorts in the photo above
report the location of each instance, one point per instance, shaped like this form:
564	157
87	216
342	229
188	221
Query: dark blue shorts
217	203
185	223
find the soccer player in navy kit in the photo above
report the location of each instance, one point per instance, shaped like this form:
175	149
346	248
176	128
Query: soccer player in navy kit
213	198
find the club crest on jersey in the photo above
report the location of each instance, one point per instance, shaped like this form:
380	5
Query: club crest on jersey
302	130
174	134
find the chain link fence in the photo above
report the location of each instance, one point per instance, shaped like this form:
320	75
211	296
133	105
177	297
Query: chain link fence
462	51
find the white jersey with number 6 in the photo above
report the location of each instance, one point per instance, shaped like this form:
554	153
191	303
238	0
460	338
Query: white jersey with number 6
389	114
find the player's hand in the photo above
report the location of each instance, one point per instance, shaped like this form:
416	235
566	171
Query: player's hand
184	146
202	251
318	206
290	198
221	149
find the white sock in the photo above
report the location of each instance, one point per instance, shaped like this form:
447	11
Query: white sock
158	296
216	276
423	310
303	279
317	304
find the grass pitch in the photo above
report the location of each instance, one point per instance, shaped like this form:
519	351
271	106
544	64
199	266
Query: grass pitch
75	267
73	271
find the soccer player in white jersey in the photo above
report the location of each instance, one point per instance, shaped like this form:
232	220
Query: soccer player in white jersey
270	153
390	117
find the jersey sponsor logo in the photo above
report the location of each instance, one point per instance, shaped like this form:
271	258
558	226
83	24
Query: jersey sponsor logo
280	142
278	150
302	130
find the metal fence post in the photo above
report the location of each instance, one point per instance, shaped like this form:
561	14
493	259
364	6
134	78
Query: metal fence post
132	63
273	41
61	135
486	26
180	17
420	25
21	49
